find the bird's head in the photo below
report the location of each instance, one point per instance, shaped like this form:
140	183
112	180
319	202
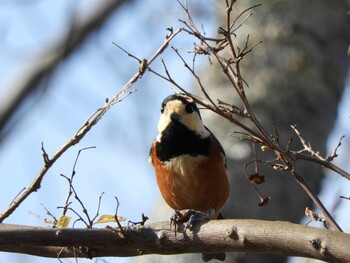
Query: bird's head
179	109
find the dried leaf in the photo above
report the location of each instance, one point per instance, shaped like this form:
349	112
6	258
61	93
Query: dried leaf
312	214
64	221
257	178
109	219
264	201
279	167
265	147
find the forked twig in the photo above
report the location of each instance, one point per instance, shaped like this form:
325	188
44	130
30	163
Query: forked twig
120	228
300	179
70	180
285	158
85	128
335	154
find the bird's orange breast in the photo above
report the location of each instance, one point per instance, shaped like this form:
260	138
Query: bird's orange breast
193	182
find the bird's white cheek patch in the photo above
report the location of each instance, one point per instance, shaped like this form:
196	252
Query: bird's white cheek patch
164	121
195	124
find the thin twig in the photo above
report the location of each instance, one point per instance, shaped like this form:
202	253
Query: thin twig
313	156
98	207
240	15
70	180
314	216
84	129
67	205
197	78
300	179
240	25
54	222
256	178
128	53
120	228
231	68
335	154
307	145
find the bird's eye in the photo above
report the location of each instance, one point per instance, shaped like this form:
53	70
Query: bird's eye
162	108
189	108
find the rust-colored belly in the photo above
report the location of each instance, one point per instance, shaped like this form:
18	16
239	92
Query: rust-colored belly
193	182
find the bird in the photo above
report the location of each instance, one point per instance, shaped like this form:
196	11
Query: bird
189	162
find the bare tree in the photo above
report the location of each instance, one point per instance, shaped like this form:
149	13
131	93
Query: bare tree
223	235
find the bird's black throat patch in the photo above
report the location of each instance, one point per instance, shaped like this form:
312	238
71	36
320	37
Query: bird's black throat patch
177	140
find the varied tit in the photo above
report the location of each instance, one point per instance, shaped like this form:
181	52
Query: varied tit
189	162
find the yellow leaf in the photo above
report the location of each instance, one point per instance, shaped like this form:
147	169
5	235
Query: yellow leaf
64	221
109	218
265	148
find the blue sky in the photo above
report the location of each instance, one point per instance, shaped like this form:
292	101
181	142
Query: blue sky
119	164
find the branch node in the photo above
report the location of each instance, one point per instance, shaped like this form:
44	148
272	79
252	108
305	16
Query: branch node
315	243
233	233
143	66
46	157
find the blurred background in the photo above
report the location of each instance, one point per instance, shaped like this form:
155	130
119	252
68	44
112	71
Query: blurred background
299	75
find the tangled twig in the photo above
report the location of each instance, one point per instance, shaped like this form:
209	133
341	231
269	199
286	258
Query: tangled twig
253	129
85	128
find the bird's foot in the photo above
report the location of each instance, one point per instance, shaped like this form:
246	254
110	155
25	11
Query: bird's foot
191	217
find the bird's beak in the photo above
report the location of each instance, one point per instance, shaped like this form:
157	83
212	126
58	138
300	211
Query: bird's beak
175	117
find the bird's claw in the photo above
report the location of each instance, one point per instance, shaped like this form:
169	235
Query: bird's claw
191	217
199	216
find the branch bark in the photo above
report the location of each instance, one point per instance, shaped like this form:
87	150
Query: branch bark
245	235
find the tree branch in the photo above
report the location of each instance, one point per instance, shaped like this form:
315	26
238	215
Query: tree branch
86	127
281	238
253	128
46	62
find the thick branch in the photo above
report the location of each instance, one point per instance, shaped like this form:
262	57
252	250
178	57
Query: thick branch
281	238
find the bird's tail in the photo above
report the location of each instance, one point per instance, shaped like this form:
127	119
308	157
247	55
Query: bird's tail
210	256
